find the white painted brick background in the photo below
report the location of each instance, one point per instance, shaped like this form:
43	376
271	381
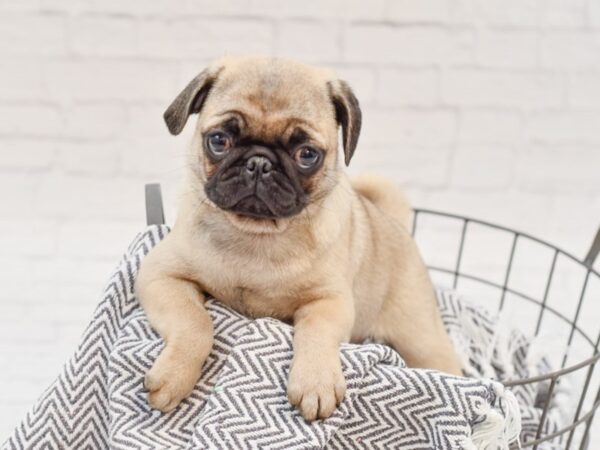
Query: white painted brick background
489	108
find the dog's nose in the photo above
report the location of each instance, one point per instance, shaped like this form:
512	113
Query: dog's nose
258	164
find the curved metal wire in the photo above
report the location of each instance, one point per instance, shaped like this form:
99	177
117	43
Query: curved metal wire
582	419
419	211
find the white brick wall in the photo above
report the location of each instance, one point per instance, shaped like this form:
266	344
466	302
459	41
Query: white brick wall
489	108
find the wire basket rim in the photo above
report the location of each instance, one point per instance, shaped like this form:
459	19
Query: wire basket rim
556	373
509	230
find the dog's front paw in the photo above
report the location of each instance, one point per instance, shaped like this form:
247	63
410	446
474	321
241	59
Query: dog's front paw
316	387
171	379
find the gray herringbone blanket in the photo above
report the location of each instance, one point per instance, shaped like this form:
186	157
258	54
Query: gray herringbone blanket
98	400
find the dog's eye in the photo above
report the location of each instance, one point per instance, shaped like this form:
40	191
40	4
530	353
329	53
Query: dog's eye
218	143
307	157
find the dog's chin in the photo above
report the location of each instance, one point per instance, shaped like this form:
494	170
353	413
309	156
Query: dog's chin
249	224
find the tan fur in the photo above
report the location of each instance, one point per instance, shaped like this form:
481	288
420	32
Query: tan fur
344	269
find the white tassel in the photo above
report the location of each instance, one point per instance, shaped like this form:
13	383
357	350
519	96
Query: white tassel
472	341
467	444
498	429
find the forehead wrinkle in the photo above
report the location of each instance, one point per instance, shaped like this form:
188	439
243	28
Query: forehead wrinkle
312	134
284	127
273	125
219	118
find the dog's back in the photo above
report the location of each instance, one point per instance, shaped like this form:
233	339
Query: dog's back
386	196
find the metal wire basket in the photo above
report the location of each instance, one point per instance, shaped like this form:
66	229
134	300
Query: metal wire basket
577	314
502	286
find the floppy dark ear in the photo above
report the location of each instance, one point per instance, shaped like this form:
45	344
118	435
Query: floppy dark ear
347	114
189	101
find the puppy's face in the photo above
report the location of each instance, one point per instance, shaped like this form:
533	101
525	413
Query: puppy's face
266	139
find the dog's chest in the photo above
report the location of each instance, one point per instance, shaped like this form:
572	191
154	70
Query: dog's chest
254	288
253	301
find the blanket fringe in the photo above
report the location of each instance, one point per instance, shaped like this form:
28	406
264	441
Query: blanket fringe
500	424
477	348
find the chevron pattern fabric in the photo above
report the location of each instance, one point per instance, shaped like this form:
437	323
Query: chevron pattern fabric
98	400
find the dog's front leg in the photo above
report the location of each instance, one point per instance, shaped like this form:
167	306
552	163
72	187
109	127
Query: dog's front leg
316	383
175	308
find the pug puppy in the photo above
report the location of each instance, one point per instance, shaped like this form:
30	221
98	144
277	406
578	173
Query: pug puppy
270	225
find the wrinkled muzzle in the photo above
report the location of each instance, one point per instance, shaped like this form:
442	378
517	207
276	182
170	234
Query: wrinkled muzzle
259	183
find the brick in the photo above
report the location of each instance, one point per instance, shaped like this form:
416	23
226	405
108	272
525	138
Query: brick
209	7
19	390
522	13
28	237
408	128
62	270
187	71
30	120
559	163
401	87
112	36
463	12
93	158
17	270
507	49
68	294
78	239
35	361
565	13
92	120
516	209
361	10
297	39
21	80
70	333
276	9
473	87
574	212
148	119
155	157
483	166
21	205
156	38
218	36
489	126
17	38
407	166
420	45
420	11
133	7
110	80
583	89
77	196
27	154
72	7
139	8
575	220
352	9
15	331
563	127
571	50
594	13
150	150
362	81
23	289
12	6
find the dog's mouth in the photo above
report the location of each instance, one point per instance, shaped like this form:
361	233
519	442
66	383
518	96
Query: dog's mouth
251	214
270	199
253	207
